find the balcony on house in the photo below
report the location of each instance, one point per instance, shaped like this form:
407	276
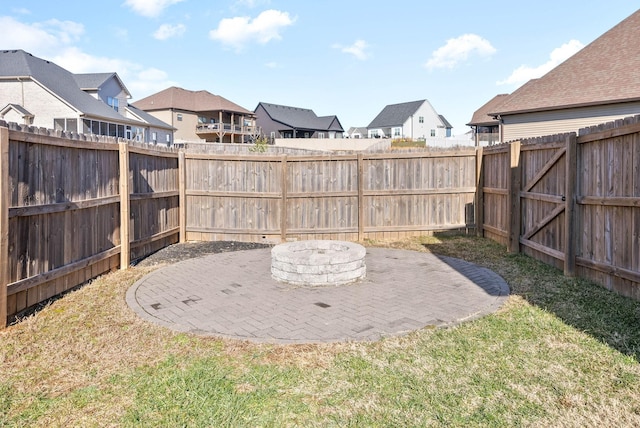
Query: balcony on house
226	127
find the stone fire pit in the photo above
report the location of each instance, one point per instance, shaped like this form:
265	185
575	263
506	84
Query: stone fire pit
317	263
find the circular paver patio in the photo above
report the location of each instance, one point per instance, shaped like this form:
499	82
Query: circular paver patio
233	295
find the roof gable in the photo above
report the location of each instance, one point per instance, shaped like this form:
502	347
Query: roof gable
445	122
395	114
93	81
603	72
194	101
18	108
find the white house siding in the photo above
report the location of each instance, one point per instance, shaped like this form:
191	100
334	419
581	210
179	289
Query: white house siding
527	125
412	128
45	106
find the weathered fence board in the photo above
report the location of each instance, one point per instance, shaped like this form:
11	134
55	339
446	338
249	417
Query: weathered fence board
63	210
275	198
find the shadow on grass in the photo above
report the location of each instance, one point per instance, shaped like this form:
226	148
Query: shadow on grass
605	315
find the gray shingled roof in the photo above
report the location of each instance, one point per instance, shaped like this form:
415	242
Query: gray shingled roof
301	118
93	81
146	117
23	111
445	122
18	63
603	72
395	114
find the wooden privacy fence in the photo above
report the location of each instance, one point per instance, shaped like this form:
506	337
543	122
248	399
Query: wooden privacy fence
62	198
347	197
570	201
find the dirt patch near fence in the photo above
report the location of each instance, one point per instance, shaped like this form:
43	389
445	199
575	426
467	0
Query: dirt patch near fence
179	252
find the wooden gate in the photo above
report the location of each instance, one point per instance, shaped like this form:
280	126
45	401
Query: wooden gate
543	200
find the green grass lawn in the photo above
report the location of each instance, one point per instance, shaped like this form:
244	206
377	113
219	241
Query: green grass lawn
562	352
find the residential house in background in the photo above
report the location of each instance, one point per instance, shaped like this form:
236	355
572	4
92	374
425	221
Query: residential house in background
37	92
415	120
278	121
200	116
357	132
486	128
600	83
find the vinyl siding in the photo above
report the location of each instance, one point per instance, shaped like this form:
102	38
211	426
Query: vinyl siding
516	127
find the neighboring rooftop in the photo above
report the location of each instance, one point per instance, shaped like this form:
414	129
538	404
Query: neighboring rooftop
18	63
194	101
297	117
603	72
395	114
481	117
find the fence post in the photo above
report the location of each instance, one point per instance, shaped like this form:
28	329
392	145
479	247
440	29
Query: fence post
283	209
360	198
478	214
514	185
4	223
570	208
125	246
182	199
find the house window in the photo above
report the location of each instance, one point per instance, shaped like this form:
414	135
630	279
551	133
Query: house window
202	119
421	119
396	132
320	134
69	125
179	117
114	103
168	139
154	137
433	132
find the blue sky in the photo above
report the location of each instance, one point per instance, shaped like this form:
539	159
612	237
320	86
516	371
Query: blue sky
347	58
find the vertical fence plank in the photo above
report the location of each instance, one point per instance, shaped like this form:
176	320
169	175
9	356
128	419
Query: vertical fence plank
125	246
478	214
515	180
283	209
360	202
570	231
182	184
4	224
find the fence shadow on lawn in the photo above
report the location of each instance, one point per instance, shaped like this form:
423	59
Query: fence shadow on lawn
608	317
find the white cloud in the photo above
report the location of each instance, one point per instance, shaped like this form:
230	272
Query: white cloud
238	31
272	64
166	31
459	50
139	80
357	49
525	73
29	37
149	8
250	3
21	11
54	41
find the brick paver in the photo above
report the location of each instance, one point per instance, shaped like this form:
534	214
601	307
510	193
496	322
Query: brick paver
233	295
